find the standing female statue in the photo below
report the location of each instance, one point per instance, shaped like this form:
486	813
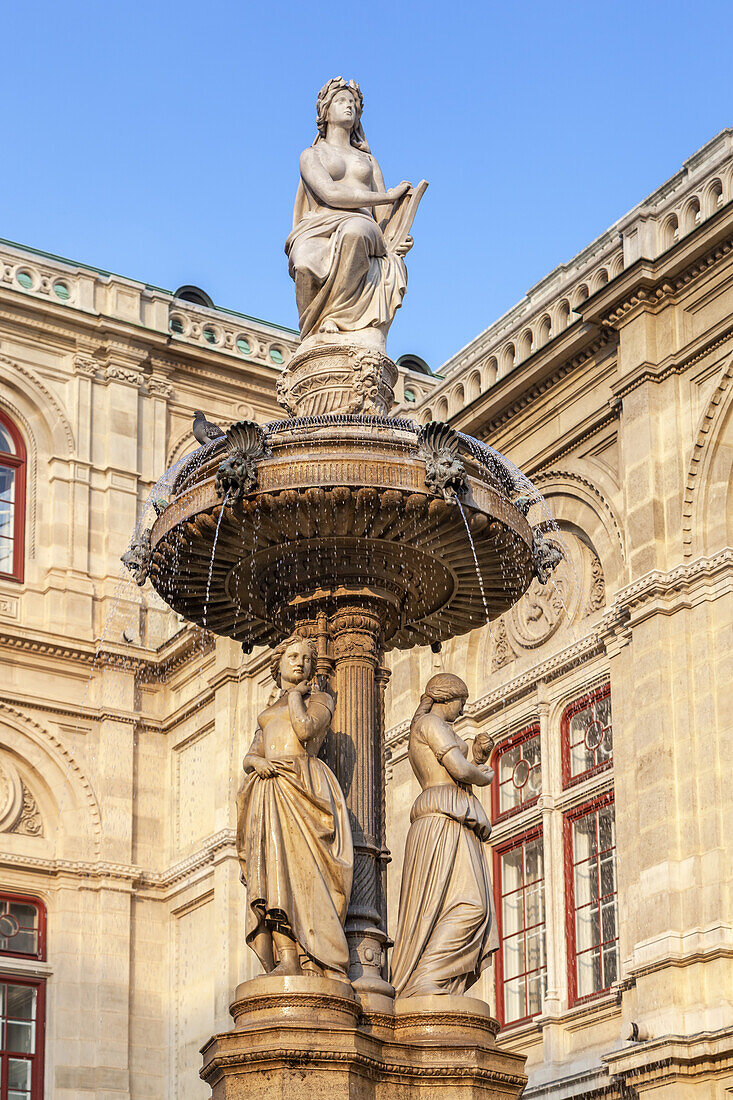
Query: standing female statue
446	929
346	248
293	834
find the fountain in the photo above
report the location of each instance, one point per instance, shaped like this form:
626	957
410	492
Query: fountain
359	533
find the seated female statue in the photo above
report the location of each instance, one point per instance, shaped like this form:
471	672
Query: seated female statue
446	929
346	277
293	834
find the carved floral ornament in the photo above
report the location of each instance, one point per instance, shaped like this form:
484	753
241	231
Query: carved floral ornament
19	811
578	589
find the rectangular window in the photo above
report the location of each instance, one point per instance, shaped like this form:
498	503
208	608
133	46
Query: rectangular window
521	968
21	1039
587	735
518	780
592	918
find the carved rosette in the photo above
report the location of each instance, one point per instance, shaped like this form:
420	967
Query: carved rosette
338	378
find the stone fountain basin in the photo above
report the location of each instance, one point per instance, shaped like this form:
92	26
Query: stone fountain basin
339	510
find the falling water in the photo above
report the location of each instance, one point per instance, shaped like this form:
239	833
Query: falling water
213	555
475	561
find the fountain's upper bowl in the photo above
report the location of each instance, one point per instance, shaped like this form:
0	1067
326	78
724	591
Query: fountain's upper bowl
340	508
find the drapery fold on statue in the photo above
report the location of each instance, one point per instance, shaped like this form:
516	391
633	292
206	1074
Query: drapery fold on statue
342	267
296	855
447	925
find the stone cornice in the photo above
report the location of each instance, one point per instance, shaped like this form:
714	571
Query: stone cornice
671	1058
132	876
657	591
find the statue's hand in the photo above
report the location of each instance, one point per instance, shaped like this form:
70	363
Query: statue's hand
404	248
395	193
302	688
266	769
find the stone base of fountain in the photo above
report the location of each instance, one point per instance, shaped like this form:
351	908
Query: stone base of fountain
308	1037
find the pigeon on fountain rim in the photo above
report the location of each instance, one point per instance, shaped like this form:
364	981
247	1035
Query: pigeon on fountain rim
203	430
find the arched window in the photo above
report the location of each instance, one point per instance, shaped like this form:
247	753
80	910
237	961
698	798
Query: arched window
586	736
12	500
518	781
22	998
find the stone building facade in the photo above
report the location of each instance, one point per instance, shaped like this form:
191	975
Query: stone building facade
606	693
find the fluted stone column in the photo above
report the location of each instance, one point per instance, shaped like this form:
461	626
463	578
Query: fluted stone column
358	729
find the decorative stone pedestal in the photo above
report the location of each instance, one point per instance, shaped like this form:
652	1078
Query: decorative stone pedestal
338	376
309	1038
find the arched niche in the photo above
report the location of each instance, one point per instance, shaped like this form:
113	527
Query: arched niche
66	801
582	499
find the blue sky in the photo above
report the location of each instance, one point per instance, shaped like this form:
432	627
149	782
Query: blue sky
161	140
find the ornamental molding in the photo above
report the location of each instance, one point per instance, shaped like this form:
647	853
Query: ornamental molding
616	620
657	293
55	748
86	366
137	878
546	476
372	1067
648	373
55	404
681	579
705	429
30	822
159	387
600	341
123	374
150	666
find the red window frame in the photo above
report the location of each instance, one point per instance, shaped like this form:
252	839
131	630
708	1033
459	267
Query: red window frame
570	817
37	1058
501	849
570	711
16	462
40	953
497	813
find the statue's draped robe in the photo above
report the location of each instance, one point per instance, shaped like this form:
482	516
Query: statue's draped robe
446	931
342	268
296	855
